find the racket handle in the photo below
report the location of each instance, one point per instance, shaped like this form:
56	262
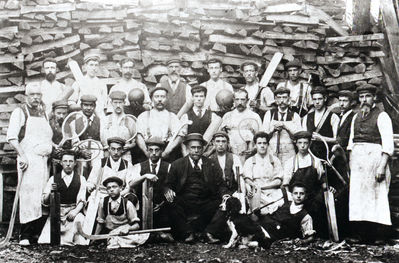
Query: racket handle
62	142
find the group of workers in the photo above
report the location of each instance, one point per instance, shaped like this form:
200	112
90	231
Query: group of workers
253	140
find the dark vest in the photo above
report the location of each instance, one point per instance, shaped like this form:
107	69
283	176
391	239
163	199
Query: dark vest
159	185
121	210
282	223
318	148
195	188
228	172
366	129
177	98
92	131
199	124
68	194
344	131
274	115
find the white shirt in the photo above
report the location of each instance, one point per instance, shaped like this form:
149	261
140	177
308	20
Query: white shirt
126	87
293	126
136	173
317	118
266	95
173	86
294	93
67	178
213	87
115	164
236	163
51	92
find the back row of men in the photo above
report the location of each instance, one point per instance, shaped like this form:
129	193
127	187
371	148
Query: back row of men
267	163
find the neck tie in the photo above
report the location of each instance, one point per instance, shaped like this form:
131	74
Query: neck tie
153	168
196	167
199	112
282	114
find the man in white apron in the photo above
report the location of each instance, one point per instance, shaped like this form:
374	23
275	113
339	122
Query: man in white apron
370	145
31	135
115	125
281	124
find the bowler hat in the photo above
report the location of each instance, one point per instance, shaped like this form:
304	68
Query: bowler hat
194	137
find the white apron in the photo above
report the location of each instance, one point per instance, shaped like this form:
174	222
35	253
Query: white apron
368	199
37	146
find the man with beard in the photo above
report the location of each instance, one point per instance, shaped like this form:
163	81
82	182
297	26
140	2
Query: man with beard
160	123
370	145
91	85
281	124
258	100
30	134
299	90
52	90
215	84
127	83
321	122
178	91
194	187
232	119
115	125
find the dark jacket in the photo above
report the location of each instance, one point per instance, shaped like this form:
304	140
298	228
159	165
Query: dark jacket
213	176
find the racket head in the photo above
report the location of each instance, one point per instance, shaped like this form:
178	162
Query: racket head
74	125
130	122
93	146
247	128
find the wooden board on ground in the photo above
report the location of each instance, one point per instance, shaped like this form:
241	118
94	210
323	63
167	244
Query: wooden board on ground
147	204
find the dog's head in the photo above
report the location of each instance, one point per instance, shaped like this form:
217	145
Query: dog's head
233	206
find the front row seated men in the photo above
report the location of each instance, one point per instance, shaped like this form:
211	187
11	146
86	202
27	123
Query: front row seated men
72	189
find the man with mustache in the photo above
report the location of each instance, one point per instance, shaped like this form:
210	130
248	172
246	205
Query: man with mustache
30	134
52	90
178	91
370	146
215	84
299	90
160	123
127	83
115	125
281	124
232	119
91	84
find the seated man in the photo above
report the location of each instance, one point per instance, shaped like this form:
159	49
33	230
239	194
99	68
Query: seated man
117	215
194	186
263	174
156	170
72	189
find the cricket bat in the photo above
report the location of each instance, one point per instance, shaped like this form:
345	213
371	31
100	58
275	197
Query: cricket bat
331	215
148	192
267	76
75	69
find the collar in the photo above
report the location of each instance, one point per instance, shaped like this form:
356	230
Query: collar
280	111
255	84
117	201
157	163
63	174
192	162
195	109
171	83
347	113
91	118
295	208
115	164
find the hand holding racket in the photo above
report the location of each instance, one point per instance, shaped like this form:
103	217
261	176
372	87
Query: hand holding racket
73	126
88	150
247	128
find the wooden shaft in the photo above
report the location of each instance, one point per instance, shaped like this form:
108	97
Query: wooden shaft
55	221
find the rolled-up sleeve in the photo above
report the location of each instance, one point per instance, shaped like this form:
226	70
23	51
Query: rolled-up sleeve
131	213
307	226
384	125
81	197
17	121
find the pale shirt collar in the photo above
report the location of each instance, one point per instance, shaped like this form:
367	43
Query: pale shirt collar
115	203
346	114
115	164
318	115
252	90
295	208
67	178
199	162
156	167
173	86
91	118
195	109
222	160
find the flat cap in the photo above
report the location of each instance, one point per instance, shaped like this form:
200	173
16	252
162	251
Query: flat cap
155	141
295	63
281	90
214	60
173	60
302	134
117	95
91	56
157	88
60	104
318	89
88	98
249	62
346	93
68	152
366	88
194	137
116	140
114	179
221	134
199	88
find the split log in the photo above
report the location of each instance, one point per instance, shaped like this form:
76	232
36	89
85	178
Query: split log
352	78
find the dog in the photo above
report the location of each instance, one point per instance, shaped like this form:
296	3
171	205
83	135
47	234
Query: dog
242	225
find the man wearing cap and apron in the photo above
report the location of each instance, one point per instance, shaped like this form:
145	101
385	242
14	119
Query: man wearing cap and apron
30	134
301	99
160	123
215	84
52	90
370	146
115	125
127	83
281	124
178	91
91	85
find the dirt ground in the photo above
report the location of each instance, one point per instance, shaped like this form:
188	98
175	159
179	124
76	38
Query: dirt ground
283	251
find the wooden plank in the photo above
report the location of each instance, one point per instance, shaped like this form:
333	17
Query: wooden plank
234	59
68	55
54	44
54	30
352	77
100	14
11	89
378	36
297	19
344	60
285	36
315	12
25	9
234	40
6	58
283	8
9	13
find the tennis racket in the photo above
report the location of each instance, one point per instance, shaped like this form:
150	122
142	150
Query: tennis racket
73	126
131	123
247	128
89	146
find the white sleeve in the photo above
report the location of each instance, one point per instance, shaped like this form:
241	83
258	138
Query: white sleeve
74	98
384	125
307	226
189	96
352	134
17	121
141	123
304	121
267	127
81	197
288	167
267	97
135	173
334	124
